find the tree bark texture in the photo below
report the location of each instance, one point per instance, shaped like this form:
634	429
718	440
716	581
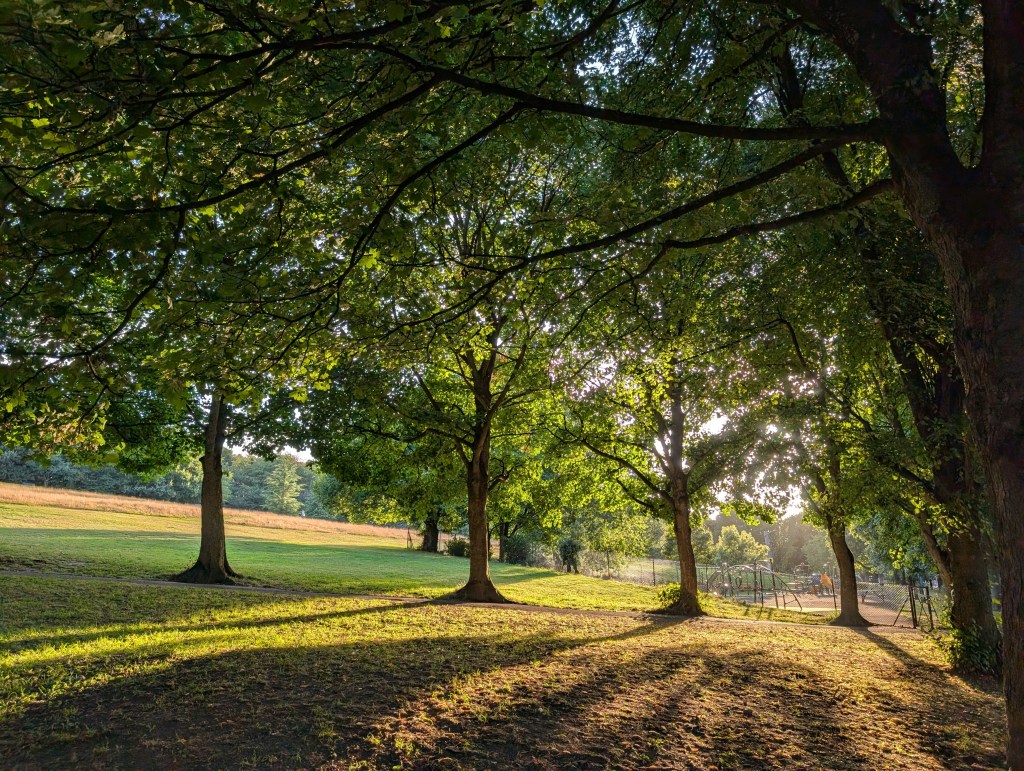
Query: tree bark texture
971	607
431	534
989	339
679	497
479	588
688	603
212	566
849	606
973	218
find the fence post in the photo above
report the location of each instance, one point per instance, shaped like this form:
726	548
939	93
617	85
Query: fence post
913	606
928	602
654	574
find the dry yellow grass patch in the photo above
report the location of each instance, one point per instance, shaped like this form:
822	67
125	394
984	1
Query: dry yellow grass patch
78	499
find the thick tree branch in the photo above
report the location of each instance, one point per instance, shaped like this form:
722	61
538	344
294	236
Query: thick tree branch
842	133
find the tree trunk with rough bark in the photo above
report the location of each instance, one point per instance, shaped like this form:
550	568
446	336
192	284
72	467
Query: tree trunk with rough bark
431	534
678	491
989	347
849	607
688	603
479	588
971	606
212	566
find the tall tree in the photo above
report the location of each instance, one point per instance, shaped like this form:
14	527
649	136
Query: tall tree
826	465
657	74
673	399
903	283
283	487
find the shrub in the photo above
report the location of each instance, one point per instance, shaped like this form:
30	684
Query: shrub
520	550
668	595
966	650
457	547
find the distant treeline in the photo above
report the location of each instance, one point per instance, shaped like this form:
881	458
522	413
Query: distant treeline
283	485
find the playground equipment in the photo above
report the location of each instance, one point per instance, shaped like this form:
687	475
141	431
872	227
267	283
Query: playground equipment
755	584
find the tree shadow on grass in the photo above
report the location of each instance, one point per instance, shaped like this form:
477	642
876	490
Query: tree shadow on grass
674	708
982	684
561	697
272	706
667	707
907	659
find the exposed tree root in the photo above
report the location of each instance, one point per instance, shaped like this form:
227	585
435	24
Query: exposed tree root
201	574
479	591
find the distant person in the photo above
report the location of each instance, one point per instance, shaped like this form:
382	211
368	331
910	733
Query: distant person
815	583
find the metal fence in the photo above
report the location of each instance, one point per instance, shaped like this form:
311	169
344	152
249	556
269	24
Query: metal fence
890	603
882	602
906	605
885	602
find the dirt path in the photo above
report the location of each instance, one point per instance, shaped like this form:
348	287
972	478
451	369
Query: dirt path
647	616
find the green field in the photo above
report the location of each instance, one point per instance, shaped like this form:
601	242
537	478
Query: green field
134	545
99	674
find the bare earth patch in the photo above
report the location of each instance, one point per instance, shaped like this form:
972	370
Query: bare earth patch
103	675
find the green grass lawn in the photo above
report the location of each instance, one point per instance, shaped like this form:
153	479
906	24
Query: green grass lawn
130	545
107	675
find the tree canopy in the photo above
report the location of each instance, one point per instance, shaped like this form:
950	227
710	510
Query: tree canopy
214	214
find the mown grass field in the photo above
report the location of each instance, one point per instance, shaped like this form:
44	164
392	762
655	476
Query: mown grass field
155	540
99	674
107	675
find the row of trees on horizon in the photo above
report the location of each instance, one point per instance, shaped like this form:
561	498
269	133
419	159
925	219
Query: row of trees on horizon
282	485
285	485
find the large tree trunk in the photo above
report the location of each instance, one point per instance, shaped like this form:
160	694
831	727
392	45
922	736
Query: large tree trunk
688	603
679	498
989	339
989	344
212	566
849	608
973	220
971	609
479	588
1007	483
431	534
